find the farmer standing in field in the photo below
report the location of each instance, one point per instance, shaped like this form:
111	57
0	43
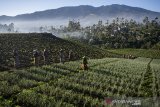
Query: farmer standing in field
36	57
61	55
70	55
46	56
84	63
16	58
124	56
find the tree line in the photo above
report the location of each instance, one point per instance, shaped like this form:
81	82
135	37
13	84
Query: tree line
4	28
118	33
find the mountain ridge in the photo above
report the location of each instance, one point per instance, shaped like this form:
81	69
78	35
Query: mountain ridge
82	11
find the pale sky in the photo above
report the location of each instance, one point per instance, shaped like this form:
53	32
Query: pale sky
15	7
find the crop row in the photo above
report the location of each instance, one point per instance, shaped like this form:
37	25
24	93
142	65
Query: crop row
68	96
148	83
129	67
30	98
155	65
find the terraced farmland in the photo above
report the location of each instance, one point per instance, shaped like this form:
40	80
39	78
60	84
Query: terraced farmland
65	85
25	43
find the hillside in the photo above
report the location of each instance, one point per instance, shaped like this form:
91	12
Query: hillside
27	42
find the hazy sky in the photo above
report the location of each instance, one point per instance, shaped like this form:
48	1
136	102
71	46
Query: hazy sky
14	7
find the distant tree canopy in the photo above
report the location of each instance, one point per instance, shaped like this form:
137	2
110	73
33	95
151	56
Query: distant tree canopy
4	28
123	33
118	33
74	25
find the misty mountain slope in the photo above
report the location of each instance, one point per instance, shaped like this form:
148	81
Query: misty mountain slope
73	12
27	42
85	14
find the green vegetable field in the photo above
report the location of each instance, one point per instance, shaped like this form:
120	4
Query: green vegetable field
148	53
65	85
